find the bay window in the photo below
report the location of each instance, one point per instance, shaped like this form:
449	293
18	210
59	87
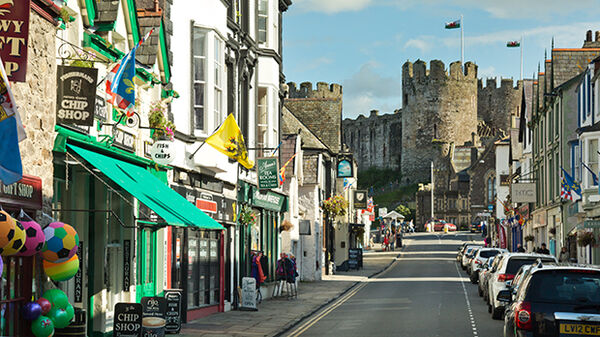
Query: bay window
199	80
263	15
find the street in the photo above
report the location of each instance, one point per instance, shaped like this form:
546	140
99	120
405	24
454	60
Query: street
424	293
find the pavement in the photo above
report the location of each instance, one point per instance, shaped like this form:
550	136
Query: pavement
277	315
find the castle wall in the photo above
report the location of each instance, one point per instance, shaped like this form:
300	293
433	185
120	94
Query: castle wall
320	110
496	105
375	141
438	108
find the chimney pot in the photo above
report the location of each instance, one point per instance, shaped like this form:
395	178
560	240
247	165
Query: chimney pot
588	36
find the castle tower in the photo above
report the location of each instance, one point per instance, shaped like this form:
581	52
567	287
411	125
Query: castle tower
439	108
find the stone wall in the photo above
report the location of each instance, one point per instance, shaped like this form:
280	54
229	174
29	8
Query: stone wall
36	100
375	141
437	108
320	110
496	105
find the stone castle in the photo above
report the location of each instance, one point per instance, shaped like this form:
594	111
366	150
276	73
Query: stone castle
440	110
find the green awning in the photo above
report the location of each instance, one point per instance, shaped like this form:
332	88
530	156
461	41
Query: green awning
149	190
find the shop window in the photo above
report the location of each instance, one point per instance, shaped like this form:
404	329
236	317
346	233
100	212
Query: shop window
203	269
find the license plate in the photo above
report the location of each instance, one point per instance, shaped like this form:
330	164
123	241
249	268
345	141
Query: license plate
580	329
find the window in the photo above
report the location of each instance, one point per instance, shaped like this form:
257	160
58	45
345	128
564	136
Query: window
218	99
551	177
199	79
576	155
203	268
263	15
262	117
592	160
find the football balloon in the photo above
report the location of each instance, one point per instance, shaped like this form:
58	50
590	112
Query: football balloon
61	242
7	228
34	238
17	241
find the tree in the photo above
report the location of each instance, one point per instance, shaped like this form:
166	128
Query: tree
405	211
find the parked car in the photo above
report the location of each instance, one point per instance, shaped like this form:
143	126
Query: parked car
485	280
475	227
469	250
506	271
554	300
470	258
482	273
461	250
479	259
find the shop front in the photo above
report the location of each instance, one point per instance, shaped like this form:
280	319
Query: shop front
200	260
121	206
268	208
18	283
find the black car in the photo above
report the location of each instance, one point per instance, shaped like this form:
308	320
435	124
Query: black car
554	300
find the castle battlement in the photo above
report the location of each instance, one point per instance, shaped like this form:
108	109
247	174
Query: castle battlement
437	71
491	84
324	90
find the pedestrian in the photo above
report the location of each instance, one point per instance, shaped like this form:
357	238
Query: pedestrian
486	242
411	226
399	239
520	248
386	242
543	250
392	238
564	255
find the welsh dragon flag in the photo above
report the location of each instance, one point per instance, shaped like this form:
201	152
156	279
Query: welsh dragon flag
512	44
453	24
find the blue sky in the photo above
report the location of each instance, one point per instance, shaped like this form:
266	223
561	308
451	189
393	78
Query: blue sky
362	44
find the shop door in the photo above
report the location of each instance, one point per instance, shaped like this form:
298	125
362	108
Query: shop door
146	264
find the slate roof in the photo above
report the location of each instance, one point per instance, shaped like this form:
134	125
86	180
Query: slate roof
106	11
290	124
148	17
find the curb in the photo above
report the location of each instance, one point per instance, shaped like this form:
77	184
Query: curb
296	322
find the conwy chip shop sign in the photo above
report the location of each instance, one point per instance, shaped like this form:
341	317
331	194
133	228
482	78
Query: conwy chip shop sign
76	95
14	32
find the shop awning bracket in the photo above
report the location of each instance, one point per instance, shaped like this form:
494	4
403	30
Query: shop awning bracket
110	211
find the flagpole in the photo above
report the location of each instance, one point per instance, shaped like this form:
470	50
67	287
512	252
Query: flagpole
521	57
462	43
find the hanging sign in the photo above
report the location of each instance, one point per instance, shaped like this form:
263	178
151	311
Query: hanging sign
25	193
268	172
153	312
173	314
345	168
14	33
360	199
127	320
76	95
162	152
124	140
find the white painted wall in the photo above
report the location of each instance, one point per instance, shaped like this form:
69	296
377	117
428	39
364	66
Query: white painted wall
502	168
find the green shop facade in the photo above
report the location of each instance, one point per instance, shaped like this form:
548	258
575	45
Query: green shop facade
269	208
122	208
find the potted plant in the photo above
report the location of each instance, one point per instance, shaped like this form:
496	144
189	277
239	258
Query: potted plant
286	225
529	238
247	216
586	239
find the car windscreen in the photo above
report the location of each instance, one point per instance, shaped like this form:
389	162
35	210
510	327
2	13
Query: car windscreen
489	253
514	264
566	286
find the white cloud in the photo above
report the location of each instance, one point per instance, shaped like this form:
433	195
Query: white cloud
366	90
331	6
423	43
487	72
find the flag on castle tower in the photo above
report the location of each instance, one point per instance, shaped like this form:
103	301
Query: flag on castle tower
512	44
453	24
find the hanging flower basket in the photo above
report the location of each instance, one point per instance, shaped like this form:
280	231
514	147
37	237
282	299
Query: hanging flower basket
586	239
163	128
529	238
286	226
247	216
336	206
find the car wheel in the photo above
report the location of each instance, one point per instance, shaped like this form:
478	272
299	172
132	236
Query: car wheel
496	312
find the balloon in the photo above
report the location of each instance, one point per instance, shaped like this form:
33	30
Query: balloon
62	242
31	311
59	317
45	305
7	228
34	238
42	327
62	271
57	298
70	312
16	242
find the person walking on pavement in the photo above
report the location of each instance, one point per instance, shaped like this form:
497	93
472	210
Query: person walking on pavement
564	255
392	238
399	239
520	248
543	250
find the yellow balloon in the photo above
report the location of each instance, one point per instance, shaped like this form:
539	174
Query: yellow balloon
16	242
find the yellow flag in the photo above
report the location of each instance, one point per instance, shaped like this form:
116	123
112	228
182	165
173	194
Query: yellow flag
228	139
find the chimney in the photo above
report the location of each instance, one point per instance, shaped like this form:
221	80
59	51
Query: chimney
598	36
588	36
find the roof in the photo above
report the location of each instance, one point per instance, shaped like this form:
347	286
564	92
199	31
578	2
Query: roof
393	215
290	124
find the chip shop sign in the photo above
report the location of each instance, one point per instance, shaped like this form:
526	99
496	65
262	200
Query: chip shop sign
25	193
14	32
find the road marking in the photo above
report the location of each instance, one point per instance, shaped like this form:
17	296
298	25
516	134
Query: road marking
471	317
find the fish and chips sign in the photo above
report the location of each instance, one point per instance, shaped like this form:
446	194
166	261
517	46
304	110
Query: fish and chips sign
14	32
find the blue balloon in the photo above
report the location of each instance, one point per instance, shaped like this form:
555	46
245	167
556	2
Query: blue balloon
31	311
